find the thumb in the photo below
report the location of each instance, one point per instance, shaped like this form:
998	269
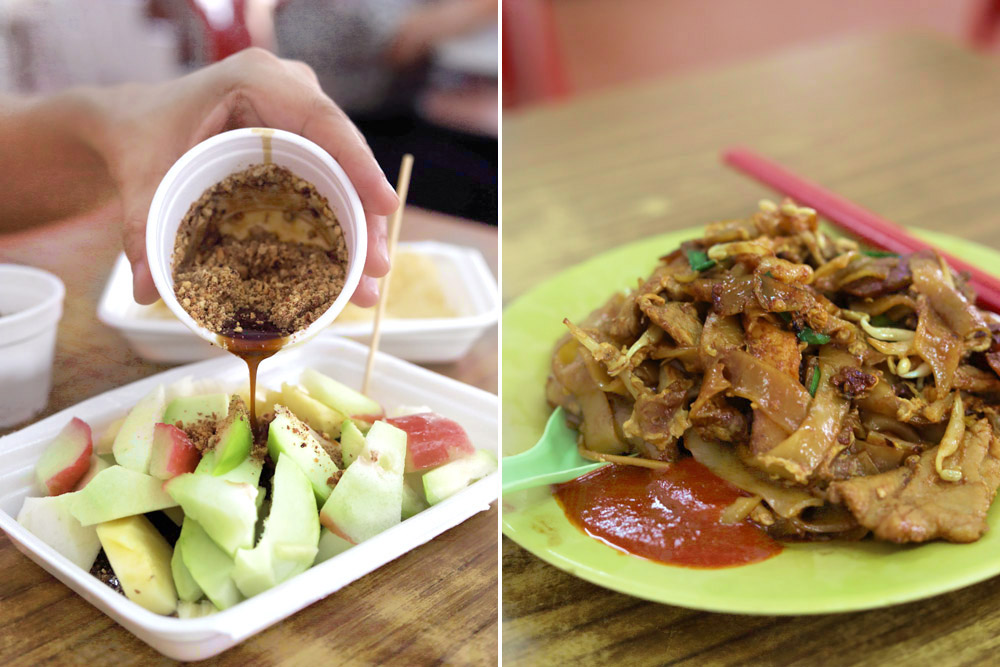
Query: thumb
134	241
366	294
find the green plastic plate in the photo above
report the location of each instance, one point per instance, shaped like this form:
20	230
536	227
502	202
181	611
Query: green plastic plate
802	579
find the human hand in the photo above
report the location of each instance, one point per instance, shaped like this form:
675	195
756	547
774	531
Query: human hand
146	128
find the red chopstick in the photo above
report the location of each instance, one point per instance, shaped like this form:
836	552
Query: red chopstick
864	224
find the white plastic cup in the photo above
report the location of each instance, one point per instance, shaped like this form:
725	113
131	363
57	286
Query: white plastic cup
31	305
213	160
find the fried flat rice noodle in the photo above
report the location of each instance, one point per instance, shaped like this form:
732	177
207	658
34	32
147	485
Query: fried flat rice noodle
597	430
780	397
731	295
720	335
815	441
959	314
937	344
785	501
769	342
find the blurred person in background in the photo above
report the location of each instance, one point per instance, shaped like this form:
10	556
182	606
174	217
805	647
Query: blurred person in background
375	58
73	152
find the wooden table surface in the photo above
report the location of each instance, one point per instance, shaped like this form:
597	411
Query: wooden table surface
437	602
905	125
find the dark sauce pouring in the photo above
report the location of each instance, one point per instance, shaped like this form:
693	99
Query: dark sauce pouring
253	342
248	338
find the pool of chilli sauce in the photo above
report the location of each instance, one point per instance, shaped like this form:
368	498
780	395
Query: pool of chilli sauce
670	516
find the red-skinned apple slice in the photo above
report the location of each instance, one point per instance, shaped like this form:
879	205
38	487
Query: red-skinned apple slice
173	453
432	440
97	464
66	459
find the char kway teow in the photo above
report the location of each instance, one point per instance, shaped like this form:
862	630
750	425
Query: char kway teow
845	391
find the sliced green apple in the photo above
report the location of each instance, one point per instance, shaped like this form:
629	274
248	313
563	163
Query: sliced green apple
337	395
187	588
187	609
386	445
134	441
189	410
247	472
209	565
106	442
66	459
367	500
449	479
233	438
50	520
291	534
226	510
330	545
118	492
370	499
289	436
253	570
271	398
264	400
414	501
140	558
352	441
320	417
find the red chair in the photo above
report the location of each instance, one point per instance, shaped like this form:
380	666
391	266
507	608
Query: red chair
532	68
984	32
223	38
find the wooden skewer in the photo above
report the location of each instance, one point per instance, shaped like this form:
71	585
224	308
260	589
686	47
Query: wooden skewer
402	188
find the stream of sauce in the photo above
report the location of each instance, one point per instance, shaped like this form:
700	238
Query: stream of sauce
252	344
669	516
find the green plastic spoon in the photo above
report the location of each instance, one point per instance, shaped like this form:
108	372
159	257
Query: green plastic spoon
553	459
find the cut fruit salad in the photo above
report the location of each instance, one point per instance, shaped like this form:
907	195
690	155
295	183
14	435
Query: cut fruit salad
329	469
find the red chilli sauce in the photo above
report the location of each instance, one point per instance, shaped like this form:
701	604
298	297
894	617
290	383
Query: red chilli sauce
670	516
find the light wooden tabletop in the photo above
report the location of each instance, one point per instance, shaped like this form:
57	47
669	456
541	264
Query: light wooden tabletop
436	603
905	125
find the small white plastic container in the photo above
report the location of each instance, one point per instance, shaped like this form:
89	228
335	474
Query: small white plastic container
469	286
31	305
213	160
394	383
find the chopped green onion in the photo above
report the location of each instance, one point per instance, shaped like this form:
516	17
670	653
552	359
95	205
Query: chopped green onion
882	320
813	337
786	317
814	382
698	260
880	253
